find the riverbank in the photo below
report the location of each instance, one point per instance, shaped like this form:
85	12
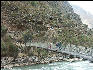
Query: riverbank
37	56
28	61
83	65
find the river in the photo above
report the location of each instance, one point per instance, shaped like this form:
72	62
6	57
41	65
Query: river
80	65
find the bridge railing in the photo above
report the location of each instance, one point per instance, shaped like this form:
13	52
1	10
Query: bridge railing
72	49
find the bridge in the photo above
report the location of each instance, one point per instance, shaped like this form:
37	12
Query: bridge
62	50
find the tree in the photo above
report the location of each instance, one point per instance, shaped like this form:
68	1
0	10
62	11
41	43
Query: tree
27	37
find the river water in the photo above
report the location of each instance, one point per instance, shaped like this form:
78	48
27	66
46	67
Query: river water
81	65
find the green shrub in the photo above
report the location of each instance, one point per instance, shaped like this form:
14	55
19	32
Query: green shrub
33	3
12	50
3	30
3	49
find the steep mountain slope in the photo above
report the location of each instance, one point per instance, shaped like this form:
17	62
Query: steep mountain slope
41	21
